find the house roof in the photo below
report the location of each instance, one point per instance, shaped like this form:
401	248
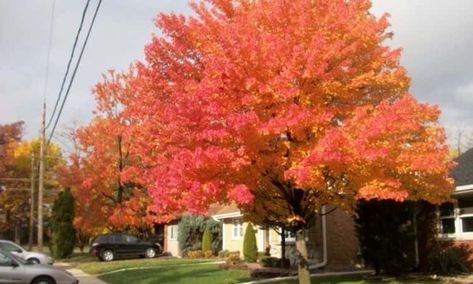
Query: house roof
220	212
463	172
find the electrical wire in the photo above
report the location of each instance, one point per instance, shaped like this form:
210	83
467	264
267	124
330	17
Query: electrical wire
84	12
75	71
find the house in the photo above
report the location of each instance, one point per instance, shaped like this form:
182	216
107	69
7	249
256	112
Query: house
171	244
330	241
333	234
456	218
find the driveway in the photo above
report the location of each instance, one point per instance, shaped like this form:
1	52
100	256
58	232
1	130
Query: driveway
83	277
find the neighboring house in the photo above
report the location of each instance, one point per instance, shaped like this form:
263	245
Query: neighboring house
339	240
456	218
170	238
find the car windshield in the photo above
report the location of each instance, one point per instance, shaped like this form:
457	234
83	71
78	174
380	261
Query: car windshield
9	246
16	258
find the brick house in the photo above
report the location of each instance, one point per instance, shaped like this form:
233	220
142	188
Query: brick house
339	240
333	234
456	218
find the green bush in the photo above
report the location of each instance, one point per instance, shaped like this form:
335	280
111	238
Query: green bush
270	261
63	233
448	261
386	233
190	233
250	250
207	241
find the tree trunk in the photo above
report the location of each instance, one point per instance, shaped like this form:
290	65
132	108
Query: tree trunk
283	246
17	232
303	263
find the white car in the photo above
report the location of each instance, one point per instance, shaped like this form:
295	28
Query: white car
30	256
15	270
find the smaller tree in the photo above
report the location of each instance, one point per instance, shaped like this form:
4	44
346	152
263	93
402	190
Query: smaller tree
63	233
250	250
206	241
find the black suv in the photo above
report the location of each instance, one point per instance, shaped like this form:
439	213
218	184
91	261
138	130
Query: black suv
119	245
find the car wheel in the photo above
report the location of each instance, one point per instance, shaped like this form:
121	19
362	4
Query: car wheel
150	253
43	280
107	255
33	260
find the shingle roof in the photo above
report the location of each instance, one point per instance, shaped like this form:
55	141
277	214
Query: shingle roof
463	172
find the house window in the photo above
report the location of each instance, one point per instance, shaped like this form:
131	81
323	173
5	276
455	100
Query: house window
465	206
447	218
290	235
172	232
237	229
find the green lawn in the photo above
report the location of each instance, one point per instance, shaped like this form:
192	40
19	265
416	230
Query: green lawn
180	271
356	279
178	274
97	267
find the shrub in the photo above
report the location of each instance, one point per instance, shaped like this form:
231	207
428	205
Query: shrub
63	233
208	254
223	253
207	241
190	233
195	254
451	260
233	257
386	233
270	261
250	250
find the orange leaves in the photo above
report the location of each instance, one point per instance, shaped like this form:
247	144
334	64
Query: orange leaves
256	100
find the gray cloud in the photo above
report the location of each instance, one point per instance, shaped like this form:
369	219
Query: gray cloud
435	36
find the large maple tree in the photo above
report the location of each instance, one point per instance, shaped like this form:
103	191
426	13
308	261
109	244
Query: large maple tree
282	106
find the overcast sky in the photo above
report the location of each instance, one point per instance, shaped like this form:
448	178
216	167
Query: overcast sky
436	37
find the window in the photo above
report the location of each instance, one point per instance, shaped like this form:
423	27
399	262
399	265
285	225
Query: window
10	247
131	239
456	219
290	235
465	206
237	229
172	232
5	260
447	218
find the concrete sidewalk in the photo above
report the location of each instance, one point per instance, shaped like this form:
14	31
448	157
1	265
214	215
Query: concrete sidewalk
84	278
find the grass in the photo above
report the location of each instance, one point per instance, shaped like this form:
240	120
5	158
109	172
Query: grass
183	274
358	279
93	266
198	271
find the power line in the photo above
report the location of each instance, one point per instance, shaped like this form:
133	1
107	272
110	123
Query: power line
75	71
51	26
71	56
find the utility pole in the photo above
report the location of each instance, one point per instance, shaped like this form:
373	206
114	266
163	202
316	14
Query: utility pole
32	203
41	179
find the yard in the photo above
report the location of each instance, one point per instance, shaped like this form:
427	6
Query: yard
179	271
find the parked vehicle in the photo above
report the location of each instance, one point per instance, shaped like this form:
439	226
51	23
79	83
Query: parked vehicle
14	269
31	256
120	245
